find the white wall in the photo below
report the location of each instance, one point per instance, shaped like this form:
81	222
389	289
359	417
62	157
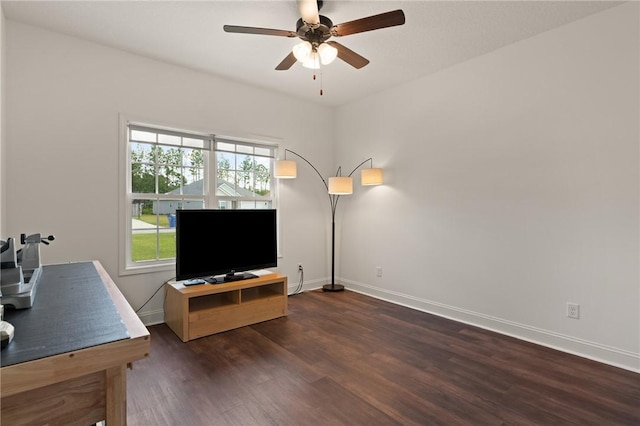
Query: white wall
2	122
63	104
512	188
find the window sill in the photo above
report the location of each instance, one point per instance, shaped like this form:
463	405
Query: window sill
148	269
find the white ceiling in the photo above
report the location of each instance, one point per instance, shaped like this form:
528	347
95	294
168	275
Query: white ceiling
436	35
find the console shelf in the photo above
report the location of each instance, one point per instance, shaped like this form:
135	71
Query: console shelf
201	310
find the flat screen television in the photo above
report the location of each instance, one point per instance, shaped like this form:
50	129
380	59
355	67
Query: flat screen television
210	243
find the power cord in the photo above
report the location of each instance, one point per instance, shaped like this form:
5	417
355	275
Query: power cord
153	295
298	289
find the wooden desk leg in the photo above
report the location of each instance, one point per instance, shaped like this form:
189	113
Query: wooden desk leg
116	394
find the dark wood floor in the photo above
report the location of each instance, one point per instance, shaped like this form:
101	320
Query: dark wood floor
344	358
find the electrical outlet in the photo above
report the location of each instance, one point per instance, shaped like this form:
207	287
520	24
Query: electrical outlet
378	271
299	266
573	310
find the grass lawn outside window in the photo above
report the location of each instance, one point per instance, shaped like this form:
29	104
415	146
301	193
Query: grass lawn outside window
143	245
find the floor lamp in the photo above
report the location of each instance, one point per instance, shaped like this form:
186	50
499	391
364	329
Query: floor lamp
336	186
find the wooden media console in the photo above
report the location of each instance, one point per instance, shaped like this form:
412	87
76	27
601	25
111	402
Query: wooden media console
200	310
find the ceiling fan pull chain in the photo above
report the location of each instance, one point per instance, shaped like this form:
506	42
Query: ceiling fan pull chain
320	81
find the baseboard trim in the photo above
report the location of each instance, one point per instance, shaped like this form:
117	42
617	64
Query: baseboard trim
152	317
307	286
595	351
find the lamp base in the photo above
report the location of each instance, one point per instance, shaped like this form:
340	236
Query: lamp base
333	287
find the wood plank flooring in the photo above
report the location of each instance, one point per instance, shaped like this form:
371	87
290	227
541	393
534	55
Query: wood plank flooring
348	359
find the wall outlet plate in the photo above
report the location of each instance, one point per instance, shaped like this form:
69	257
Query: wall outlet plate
573	310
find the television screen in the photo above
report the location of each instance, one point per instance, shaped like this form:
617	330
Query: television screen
217	242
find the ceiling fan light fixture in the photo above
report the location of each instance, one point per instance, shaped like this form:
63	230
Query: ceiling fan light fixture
327	53
312	61
302	50
314	30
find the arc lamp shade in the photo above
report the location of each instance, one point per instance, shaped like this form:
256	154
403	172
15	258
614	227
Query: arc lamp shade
285	169
340	185
371	177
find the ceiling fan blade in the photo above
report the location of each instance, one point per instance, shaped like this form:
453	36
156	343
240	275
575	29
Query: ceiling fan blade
383	20
309	11
286	62
349	56
260	31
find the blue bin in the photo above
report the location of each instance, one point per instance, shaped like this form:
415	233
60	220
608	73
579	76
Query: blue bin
172	221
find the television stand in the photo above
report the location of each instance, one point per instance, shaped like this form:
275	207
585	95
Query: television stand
200	310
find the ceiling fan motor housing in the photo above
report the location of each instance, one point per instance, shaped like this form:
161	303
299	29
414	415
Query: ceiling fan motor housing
316	34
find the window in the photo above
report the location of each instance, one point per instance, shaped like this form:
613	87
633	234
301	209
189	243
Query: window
243	175
168	169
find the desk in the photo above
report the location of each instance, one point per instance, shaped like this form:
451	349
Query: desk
80	386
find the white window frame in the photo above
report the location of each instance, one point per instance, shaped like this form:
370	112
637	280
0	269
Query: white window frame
211	200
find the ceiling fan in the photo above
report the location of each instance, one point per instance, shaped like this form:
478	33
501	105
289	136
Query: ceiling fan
315	31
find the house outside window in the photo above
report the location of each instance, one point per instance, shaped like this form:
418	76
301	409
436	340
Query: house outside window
169	169
243	175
